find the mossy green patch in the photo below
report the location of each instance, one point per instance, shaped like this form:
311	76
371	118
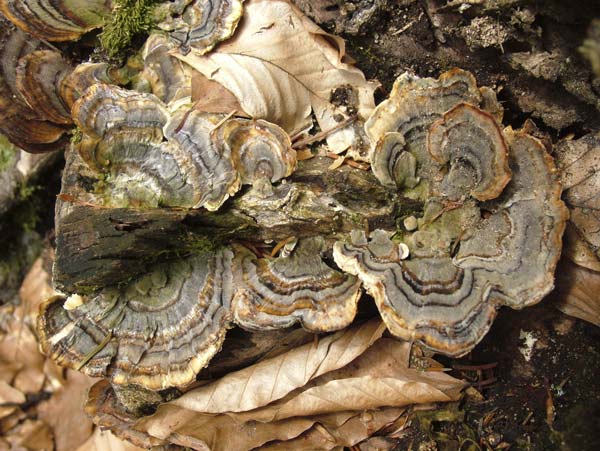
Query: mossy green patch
8	152
129	19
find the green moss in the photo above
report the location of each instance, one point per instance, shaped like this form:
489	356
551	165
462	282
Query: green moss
129	19
7	153
76	135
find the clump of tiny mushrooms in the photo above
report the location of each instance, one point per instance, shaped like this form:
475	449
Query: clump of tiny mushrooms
489	233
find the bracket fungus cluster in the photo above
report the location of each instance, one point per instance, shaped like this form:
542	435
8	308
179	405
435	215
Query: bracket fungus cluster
150	157
492	224
201	24
152	169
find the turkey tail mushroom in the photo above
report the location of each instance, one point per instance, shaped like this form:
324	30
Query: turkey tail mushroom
56	20
471	143
199	25
158	331
277	293
492	223
23	126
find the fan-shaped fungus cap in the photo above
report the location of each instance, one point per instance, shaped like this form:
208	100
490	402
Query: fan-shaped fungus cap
123	137
518	246
56	20
39	76
202	24
169	78
158	331
470	142
392	164
73	85
259	149
426	299
277	293
212	166
415	103
23	126
463	266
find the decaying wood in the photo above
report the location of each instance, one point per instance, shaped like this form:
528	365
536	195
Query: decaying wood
100	246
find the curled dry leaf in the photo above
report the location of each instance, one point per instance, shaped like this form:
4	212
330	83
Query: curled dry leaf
63	412
272	379
351	384
576	292
579	164
105	440
282	86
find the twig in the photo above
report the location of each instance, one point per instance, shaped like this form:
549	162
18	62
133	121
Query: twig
324	134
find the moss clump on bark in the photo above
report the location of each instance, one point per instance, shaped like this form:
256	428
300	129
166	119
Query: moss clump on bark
130	19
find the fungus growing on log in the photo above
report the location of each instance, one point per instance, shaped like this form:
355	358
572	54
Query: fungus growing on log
54	20
22	125
199	25
392	164
151	157
39	75
158	331
169	78
277	293
467	257
470	142
259	149
84	75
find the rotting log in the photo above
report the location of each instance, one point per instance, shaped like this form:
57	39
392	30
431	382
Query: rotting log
98	246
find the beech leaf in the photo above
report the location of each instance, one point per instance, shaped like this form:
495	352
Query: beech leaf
352	392
576	292
280	66
272	379
579	163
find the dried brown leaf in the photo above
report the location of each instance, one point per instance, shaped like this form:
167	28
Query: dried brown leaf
577	291
64	412
212	97
579	163
106	441
36	287
361	388
280	66
10	395
274	378
31	435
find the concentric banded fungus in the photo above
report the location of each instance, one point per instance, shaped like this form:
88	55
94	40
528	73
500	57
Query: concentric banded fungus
518	246
212	164
447	302
259	149
39	76
392	164
73	86
56	20
123	138
158	331
471	143
277	293
415	103
203	23
18	122
169	78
